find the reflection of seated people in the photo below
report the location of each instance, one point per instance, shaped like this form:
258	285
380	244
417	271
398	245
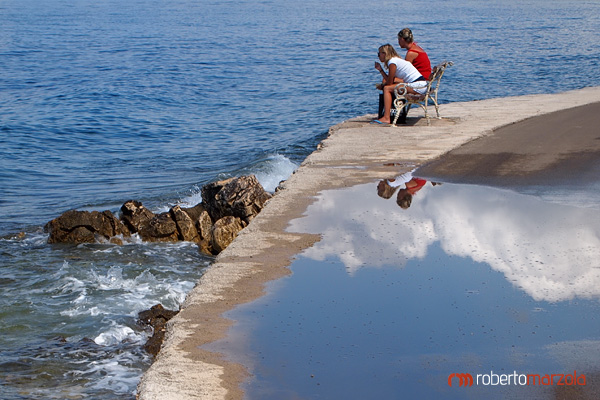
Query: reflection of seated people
387	187
406	194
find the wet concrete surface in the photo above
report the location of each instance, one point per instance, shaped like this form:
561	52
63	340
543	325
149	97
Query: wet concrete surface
391	302
560	148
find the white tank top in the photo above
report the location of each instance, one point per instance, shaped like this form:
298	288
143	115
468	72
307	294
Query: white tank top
405	70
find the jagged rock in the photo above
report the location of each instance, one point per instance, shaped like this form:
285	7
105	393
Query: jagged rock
185	226
241	197
157	318
205	246
84	227
233	203
134	215
204	227
161	228
194	212
224	231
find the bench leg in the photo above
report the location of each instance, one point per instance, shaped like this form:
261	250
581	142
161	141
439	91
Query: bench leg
401	111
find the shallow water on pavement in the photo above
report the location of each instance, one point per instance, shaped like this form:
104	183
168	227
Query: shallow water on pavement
392	301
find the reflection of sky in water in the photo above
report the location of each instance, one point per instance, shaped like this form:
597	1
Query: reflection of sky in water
549	250
391	301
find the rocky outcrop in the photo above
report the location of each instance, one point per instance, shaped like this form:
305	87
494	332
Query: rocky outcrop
241	197
134	215
160	228
85	227
204	226
224	231
186	229
156	317
227	207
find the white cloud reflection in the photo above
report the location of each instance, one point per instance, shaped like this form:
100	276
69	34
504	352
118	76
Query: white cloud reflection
551	251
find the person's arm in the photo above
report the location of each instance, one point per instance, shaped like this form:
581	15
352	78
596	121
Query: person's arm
410	56
379	68
389	80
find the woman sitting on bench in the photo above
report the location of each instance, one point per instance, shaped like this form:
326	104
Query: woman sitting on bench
398	71
414	53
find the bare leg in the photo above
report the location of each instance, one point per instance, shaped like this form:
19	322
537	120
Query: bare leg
387	104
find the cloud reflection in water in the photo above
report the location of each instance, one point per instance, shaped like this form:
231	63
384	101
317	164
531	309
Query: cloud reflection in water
551	251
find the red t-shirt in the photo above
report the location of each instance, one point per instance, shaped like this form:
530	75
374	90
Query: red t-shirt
422	63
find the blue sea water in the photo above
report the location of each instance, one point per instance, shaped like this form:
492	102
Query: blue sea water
105	101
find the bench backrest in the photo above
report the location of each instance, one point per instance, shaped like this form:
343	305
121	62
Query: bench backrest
436	76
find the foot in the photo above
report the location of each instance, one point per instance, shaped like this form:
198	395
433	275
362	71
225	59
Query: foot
382	121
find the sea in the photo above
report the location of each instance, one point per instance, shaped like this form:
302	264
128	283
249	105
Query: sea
105	101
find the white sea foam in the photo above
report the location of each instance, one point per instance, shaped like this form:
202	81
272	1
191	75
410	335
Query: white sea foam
116	374
126	295
117	334
193	199
273	170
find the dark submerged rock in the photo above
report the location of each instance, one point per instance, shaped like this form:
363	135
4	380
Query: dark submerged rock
156	317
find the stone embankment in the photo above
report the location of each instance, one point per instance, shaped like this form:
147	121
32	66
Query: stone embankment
227	207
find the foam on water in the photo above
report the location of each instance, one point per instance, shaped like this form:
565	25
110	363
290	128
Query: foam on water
86	299
118	334
269	172
273	170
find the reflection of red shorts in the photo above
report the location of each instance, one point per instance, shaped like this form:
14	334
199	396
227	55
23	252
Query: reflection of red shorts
420	183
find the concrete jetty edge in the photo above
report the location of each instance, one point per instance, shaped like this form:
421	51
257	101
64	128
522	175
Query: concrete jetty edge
354	152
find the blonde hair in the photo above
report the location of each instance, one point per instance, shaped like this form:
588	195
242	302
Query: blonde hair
389	52
407	35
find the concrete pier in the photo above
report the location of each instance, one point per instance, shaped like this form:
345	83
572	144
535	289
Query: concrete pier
354	152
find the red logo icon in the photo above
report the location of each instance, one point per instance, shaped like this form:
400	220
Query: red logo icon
464	379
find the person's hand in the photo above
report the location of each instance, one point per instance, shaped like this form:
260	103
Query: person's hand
378	66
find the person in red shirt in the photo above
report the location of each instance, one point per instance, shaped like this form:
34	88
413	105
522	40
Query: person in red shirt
414	53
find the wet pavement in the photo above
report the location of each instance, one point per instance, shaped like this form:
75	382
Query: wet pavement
392	301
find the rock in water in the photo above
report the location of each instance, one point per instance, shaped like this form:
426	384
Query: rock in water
204	227
157	318
224	231
185	226
84	227
134	215
241	197
232	203
161	228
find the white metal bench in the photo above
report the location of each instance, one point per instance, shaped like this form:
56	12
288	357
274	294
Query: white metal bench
406	100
